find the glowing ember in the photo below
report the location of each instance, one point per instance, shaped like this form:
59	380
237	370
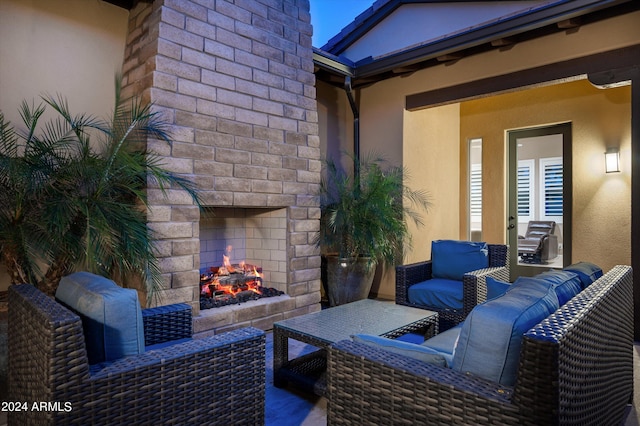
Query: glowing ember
232	283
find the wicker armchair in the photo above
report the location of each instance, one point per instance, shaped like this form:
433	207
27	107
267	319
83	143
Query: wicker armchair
474	284
576	367
219	380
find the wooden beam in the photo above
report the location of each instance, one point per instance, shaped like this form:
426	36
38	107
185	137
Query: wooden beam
450	57
559	71
502	42
569	23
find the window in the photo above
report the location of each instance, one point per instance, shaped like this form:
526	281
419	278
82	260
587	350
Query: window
526	190
551	181
475	189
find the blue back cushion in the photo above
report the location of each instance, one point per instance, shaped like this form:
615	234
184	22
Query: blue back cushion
452	259
565	284
111	315
587	272
491	336
496	288
437	293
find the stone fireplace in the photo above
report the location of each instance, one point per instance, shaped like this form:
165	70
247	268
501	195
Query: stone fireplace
255	236
235	81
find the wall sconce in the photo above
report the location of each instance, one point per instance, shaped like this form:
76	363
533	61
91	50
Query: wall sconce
612	160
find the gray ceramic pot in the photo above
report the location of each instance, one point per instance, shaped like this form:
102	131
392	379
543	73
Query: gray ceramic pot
348	280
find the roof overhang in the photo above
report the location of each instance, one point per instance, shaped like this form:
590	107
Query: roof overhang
126	4
556	17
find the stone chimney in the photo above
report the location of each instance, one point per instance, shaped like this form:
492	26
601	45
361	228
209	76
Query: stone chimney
235	80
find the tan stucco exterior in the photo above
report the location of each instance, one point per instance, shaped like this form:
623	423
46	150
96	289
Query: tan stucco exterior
72	48
415	138
68	47
601	222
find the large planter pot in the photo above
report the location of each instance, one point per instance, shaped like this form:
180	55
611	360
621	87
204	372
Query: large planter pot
348	280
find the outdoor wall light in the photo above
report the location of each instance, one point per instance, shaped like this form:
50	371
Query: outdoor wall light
612	160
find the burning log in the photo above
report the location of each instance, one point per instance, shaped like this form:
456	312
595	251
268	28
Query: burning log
229	284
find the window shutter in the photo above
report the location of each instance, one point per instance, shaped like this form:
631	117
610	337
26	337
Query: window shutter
525	190
476	193
552	202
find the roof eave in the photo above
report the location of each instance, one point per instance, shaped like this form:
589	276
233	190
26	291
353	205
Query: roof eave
332	64
475	37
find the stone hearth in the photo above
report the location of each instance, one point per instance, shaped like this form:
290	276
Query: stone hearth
235	80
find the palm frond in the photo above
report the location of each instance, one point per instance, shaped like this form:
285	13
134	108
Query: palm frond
68	204
366	212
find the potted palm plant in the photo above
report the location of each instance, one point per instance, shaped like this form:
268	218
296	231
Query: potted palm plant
364	221
74	194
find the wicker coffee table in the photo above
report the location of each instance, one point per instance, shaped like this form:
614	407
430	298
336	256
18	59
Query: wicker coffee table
325	327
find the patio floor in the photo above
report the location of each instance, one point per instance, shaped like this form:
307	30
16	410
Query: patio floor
289	407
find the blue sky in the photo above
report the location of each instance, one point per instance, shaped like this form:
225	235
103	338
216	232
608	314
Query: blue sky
328	17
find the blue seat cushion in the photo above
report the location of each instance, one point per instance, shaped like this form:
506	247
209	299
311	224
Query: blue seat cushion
496	288
437	293
587	272
491	335
111	315
407	349
445	343
452	259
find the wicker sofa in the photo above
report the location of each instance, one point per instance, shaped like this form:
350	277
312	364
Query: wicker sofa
219	380
575	367
474	288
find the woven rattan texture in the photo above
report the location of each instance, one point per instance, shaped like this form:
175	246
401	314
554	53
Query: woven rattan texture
219	380
587	348
474	289
166	323
576	367
320	329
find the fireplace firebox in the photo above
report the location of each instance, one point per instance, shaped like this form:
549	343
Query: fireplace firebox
242	255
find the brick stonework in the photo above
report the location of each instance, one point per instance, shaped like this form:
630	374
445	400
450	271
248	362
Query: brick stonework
235	80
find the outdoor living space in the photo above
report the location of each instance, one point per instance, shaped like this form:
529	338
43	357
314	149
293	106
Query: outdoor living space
496	123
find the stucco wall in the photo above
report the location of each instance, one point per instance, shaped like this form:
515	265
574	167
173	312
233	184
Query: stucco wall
601	225
68	47
52	46
335	121
383	128
431	156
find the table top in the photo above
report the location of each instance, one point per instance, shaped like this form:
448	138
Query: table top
365	316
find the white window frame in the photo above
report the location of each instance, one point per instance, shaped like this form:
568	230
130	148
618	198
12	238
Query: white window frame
544	162
530	164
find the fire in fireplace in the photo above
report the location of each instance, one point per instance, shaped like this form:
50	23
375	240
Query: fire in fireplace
232	283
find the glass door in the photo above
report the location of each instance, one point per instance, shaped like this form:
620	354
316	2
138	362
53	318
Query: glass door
539	213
